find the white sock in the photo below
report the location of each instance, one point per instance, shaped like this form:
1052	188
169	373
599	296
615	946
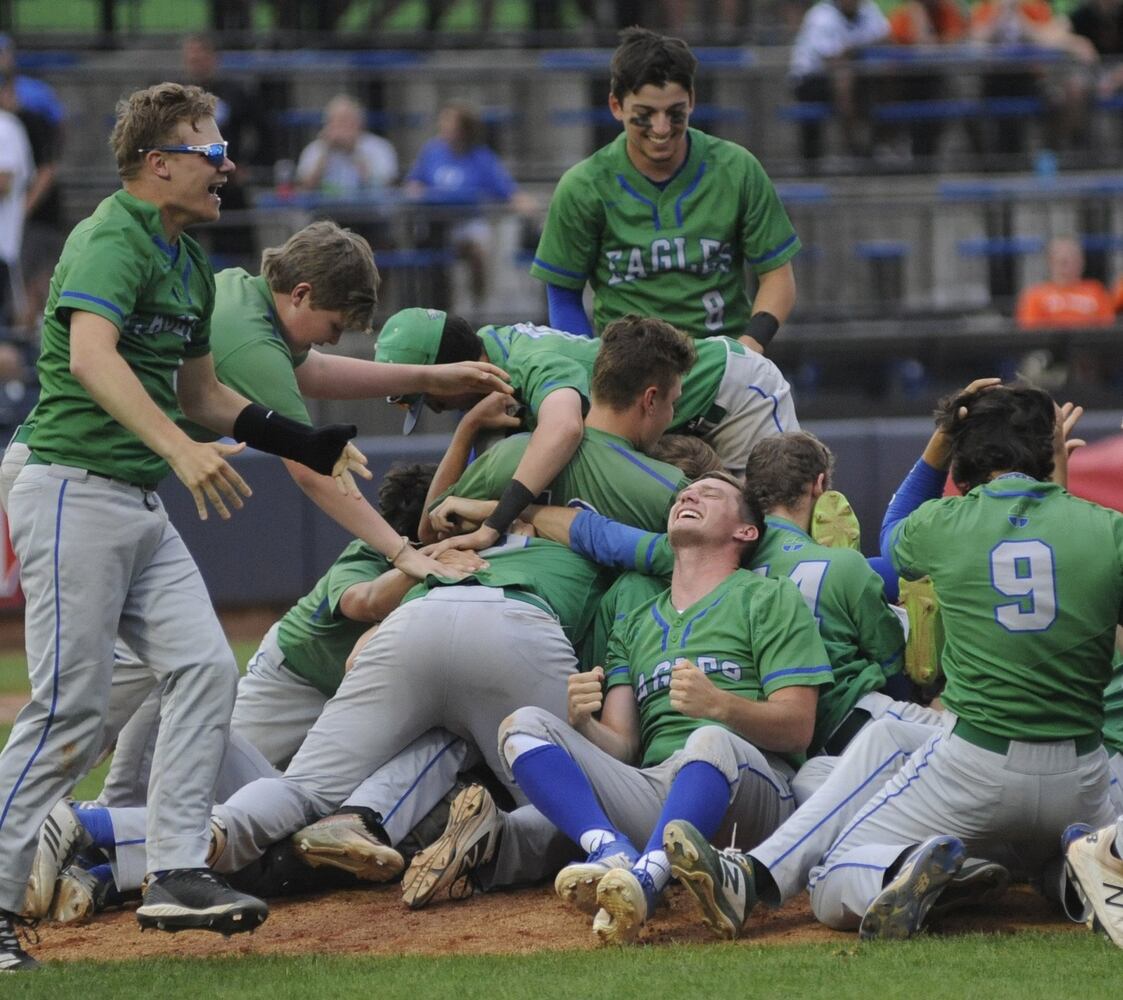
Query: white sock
594	840
657	865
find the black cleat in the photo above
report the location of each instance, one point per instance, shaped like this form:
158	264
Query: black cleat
12	956
197	899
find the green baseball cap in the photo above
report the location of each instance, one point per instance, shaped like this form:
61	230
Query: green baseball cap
410	337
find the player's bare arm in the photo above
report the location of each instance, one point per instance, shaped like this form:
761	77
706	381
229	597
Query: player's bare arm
775	296
784	722
111	383
373	600
330	376
555	439
489	413
617	730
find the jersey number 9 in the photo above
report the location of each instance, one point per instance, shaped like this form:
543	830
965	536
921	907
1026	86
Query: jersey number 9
1024	570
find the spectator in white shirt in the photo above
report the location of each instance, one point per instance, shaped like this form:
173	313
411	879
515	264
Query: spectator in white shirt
345	160
821	71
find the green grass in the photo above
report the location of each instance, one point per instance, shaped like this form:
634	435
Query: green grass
1029	965
166	16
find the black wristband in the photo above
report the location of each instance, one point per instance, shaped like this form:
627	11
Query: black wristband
515	499
317	447
762	327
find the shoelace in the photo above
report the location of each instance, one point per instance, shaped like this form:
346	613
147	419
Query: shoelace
12	928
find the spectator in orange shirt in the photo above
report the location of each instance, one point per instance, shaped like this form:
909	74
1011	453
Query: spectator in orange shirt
925	22
1067	298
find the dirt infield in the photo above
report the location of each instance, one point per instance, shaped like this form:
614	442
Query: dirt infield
374	922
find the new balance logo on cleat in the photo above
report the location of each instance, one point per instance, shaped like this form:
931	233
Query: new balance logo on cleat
1116	896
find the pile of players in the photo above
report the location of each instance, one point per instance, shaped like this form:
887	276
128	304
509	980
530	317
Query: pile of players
624	623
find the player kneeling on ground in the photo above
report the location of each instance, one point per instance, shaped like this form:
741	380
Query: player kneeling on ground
706	700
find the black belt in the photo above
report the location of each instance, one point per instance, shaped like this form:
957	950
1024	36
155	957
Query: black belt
847	729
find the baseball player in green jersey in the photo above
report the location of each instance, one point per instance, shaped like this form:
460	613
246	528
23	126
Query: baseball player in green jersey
731	396
536	594
664	219
1033	581
705	695
290	678
125	351
550	383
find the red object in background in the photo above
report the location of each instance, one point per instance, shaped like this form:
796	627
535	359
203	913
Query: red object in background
10	594
1095	472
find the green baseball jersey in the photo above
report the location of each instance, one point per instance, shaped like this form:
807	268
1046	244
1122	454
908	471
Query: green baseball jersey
629	591
677	250
752	636
571	587
117	265
605	472
250	353
1113	707
1030	581
863	637
699	385
314	635
539	360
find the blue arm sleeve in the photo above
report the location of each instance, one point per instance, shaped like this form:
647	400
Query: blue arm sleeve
605	541
567	311
922	483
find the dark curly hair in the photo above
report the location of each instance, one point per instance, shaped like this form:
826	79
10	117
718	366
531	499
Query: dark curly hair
1008	428
401	496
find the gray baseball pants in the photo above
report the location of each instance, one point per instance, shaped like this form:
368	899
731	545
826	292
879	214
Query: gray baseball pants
760	798
99	557
462	657
757	401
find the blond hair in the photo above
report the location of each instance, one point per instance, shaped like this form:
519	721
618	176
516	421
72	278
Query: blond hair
337	263
148	118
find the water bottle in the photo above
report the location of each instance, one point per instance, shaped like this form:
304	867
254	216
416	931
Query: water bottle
284	173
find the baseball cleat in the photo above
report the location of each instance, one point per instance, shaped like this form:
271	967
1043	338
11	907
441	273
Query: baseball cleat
899	911
833	522
347	841
12	956
79	894
626	898
721	882
470	839
1098	873
61	837
197	899
926	630
577	883
977	883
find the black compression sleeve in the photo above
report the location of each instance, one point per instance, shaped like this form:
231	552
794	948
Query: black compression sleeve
515	499
762	327
317	447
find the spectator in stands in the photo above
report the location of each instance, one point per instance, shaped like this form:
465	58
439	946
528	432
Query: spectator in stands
925	22
345	160
1067	298
458	167
239	118
821	70
17	167
1101	22
1032	22
42	115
